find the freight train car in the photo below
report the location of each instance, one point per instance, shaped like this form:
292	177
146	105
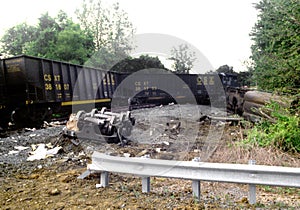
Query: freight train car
163	88
33	89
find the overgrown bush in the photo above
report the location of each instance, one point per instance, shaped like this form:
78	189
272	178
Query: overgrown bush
283	133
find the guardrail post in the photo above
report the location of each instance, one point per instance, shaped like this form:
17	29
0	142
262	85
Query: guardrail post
146	184
252	187
196	183
196	189
104	179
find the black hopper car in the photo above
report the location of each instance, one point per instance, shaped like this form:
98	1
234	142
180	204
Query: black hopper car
33	90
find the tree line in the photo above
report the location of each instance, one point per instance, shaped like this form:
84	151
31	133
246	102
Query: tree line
100	38
100	30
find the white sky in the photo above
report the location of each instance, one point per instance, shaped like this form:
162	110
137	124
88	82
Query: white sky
218	28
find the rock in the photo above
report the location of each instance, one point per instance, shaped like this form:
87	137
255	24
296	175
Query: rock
54	192
126	154
158	149
166	143
142	153
34	176
20	148
65	179
244	200
12	152
165	156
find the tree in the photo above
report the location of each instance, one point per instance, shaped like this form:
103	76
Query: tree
60	38
276	48
111	31
14	39
245	78
46	37
54	38
183	58
73	45
131	65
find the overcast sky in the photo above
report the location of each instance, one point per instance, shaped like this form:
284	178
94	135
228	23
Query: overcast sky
218	28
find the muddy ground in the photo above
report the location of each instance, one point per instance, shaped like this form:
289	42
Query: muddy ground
169	132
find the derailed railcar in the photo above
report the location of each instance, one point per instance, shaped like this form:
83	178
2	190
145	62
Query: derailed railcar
153	87
162	87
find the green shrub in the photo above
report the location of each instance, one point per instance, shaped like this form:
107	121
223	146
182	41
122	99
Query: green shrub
284	133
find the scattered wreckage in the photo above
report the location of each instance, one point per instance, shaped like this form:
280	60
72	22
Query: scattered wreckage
109	127
102	126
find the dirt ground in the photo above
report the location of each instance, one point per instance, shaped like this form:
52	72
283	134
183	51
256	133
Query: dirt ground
171	132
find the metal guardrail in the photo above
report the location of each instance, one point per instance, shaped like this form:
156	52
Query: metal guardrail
196	171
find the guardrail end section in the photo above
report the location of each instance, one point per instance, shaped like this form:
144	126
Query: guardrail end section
84	174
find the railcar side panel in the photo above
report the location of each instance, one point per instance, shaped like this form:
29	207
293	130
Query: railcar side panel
16	81
49	86
66	82
106	93
57	81
94	84
189	86
98	82
35	84
73	78
74	72
15	71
